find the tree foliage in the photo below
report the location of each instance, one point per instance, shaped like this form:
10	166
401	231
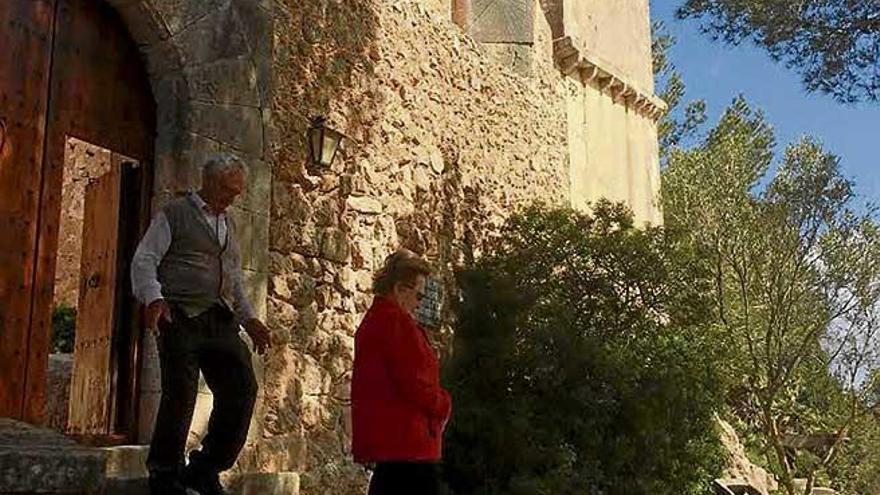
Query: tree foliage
63	329
680	122
834	44
583	362
796	270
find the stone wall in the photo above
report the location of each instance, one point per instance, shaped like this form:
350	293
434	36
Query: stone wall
210	64
444	145
82	162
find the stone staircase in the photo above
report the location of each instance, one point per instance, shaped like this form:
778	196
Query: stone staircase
36	460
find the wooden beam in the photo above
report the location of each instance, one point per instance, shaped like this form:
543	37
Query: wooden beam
569	64
591	72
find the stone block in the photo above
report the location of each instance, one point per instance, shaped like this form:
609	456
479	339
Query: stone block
143	20
216	36
334	245
260	246
308	322
201	415
172	94
244	234
228	81
364	204
174	171
258	22
290	203
326	211
127	462
302	289
301	239
256	287
179	14
258	197
58	390
36	460
139	486
163	57
237	126
278	454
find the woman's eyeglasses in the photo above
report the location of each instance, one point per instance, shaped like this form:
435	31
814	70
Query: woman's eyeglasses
419	294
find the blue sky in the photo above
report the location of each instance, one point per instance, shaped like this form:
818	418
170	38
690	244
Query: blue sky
716	73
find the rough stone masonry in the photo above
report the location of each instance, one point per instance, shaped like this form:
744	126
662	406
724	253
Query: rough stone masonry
448	136
451	127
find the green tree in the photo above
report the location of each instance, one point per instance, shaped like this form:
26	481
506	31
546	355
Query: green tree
680	122
796	270
583	362
834	44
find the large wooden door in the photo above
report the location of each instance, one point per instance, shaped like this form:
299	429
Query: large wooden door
73	72
26	37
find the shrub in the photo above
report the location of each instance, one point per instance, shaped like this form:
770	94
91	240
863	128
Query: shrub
583	363
63	329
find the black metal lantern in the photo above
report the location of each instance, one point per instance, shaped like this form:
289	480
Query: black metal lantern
323	143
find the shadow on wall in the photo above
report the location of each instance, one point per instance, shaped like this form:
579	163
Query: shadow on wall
447	226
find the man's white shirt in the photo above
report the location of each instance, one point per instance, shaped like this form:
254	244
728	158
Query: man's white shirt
154	246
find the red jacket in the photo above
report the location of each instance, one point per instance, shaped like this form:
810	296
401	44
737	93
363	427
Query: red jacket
398	408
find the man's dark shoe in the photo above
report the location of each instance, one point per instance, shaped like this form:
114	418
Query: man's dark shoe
166	485
201	478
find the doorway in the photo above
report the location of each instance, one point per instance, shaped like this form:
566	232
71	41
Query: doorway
74	98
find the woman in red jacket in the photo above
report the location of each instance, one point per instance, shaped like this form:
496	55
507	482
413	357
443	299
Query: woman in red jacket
399	410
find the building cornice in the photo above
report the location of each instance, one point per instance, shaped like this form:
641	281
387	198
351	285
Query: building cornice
589	68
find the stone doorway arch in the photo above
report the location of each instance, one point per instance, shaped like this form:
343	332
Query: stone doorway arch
209	63
209	67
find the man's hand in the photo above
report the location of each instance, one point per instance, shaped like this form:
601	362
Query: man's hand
259	334
156	311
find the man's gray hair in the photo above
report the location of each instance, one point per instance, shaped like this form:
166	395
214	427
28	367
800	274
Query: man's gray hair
221	163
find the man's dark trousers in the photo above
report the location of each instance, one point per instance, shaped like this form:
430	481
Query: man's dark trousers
208	342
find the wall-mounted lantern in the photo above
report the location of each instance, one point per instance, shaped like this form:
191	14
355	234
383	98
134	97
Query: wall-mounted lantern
323	143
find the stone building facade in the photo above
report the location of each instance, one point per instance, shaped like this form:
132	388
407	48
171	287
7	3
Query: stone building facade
457	112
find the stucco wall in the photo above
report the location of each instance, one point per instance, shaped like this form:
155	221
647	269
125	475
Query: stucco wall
613	154
615	32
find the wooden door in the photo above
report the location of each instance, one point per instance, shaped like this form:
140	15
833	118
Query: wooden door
91	384
26	37
100	94
67	68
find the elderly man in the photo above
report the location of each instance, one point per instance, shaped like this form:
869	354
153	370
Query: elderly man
187	273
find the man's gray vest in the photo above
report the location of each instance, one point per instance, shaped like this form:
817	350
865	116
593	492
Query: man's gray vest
197	271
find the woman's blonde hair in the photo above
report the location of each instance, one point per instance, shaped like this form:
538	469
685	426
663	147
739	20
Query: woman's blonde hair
402	266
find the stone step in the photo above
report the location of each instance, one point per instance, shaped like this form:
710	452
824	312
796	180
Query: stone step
127	475
38	460
247	484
